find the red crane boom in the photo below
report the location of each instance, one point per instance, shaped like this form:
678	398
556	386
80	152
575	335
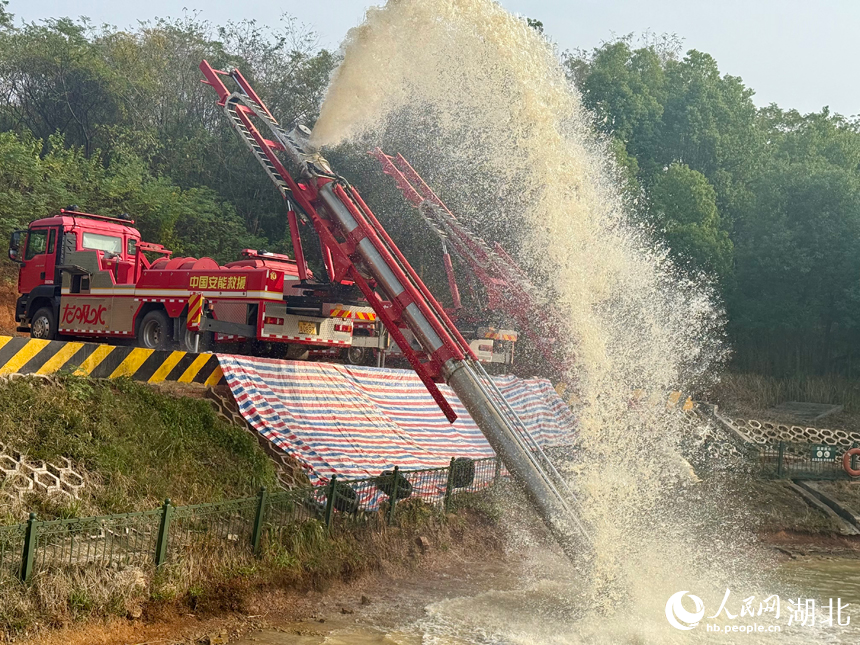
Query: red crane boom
357	249
507	286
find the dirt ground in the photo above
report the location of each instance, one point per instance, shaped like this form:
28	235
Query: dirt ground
793	544
8	297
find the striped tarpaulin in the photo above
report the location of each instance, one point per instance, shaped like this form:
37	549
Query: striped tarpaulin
356	422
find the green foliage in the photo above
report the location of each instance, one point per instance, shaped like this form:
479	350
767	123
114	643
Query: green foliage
765	200
625	90
535	24
118	121
687	134
684	206
139	444
58	82
38	178
798	247
5	16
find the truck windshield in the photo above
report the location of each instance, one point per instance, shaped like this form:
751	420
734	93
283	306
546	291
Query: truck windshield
96	242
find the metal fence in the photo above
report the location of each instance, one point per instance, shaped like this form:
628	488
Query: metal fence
789	460
236	528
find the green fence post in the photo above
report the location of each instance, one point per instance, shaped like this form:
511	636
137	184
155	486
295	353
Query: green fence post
449	485
163	533
779	459
31	538
392	500
329	502
258	521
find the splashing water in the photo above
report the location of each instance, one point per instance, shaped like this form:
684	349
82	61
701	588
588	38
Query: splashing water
509	145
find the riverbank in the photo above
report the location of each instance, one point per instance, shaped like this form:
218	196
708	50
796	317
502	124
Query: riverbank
376	579
406	567
473	554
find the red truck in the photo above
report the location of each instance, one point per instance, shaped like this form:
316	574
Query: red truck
91	276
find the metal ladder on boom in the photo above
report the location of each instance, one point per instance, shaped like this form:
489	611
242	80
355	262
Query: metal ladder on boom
357	249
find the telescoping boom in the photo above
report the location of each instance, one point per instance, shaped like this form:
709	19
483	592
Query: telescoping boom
507	287
357	249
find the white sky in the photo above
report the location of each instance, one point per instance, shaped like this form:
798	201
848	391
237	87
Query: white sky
796	53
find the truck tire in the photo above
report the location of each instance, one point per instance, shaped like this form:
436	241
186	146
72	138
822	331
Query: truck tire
154	331
44	324
462	472
385	483
357	355
345	498
195	342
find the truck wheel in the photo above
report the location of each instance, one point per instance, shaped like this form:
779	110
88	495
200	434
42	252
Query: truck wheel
356	355
196	342
154	330
44	324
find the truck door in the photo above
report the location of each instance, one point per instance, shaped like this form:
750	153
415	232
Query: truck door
39	262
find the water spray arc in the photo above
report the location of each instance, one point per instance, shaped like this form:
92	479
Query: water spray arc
357	250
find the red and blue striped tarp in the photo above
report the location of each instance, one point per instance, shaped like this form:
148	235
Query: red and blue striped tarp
356	422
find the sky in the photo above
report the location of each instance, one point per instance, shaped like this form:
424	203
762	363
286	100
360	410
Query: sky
796	53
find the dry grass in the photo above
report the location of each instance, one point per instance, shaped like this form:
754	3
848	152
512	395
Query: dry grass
68	594
772	506
759	392
751	395
846	492
8	298
209	579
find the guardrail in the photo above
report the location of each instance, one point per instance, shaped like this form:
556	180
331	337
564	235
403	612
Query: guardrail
233	528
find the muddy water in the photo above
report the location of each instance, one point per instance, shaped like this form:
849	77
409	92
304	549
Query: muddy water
826	577
535	603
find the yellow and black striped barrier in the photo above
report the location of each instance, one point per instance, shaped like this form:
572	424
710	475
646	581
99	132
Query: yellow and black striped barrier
34	356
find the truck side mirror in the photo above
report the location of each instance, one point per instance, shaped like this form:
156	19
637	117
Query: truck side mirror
15	246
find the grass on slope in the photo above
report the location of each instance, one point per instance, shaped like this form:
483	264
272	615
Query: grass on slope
136	444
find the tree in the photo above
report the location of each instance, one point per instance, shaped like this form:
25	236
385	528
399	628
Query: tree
670	110
535	24
798	243
5	16
55	80
625	91
115	92
684	208
39	178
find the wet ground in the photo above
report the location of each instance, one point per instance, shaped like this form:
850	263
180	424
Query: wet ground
396	610
530	602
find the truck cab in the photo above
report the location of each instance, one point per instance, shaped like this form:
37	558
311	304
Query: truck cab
51	247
